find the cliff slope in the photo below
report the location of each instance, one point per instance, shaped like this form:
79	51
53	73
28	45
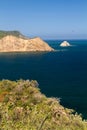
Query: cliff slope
23	107
16	42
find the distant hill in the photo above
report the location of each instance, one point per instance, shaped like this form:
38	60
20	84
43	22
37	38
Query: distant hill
13	33
14	41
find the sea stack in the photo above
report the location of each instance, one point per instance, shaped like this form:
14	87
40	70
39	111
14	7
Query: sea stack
65	44
14	41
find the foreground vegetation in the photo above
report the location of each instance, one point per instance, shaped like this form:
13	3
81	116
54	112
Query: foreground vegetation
23	107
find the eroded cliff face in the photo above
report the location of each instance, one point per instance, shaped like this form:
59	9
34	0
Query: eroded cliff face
16	44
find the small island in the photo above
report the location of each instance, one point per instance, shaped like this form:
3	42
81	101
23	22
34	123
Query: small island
65	44
14	41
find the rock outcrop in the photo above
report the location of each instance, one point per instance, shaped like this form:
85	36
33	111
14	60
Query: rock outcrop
65	44
11	43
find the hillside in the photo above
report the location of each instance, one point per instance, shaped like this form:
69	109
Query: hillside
14	41
24	107
13	33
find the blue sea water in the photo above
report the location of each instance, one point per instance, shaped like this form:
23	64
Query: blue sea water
61	74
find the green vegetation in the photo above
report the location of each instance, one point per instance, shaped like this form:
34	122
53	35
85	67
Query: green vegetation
23	107
13	33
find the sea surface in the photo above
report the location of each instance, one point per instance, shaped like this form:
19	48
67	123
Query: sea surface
61	74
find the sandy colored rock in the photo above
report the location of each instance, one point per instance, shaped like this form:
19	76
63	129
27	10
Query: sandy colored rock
65	44
17	44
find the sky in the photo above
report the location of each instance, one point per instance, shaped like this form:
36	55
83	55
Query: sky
48	19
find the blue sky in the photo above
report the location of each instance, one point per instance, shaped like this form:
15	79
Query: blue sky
49	19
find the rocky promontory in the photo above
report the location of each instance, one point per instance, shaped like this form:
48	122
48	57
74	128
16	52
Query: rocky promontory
14	41
65	44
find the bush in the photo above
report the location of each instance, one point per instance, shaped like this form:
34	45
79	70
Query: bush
23	107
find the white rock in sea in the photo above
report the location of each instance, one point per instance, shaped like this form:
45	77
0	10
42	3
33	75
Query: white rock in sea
65	44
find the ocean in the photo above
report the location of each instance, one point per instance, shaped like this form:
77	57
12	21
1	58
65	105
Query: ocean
61	74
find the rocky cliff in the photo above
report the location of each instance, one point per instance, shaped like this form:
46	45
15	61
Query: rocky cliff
12	43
